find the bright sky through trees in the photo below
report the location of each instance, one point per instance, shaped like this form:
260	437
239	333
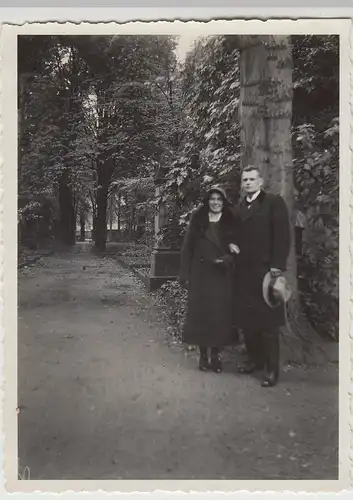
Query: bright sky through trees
186	43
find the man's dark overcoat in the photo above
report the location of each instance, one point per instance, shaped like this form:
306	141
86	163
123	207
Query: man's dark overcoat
264	241
209	318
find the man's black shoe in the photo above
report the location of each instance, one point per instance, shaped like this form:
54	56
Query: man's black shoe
270	380
216	364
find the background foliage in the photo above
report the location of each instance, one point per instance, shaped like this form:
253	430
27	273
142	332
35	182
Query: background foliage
316	169
210	154
104	119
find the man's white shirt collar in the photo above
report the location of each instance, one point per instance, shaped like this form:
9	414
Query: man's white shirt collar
254	196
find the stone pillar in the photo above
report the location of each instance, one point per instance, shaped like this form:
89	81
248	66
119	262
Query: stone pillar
164	263
160	216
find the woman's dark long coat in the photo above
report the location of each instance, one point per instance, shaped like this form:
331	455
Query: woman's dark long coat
210	299
264	241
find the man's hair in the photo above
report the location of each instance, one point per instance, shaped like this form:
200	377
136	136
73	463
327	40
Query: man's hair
250	168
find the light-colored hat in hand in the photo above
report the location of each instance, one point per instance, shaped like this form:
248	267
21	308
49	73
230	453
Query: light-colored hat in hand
276	291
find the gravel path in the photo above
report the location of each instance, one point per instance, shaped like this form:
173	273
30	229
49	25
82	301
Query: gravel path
103	395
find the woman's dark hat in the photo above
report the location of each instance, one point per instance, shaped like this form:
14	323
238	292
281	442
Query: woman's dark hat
217	188
275	291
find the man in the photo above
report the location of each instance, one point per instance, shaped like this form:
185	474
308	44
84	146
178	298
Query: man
264	242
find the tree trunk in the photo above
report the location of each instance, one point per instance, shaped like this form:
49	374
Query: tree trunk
101	220
253	135
265	112
67	227
119	213
94	227
103	180
105	168
66	198
111	206
82	225
21	118
131	221
94	217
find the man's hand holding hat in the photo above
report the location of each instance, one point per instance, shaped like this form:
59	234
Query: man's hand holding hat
233	248
275	290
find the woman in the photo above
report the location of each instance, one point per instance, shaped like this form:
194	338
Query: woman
206	270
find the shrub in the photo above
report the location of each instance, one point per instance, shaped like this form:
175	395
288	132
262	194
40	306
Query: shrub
316	169
172	297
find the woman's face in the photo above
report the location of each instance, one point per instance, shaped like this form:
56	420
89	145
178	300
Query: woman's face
215	203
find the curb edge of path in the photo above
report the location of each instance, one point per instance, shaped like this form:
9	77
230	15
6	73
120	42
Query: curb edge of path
34	259
142	277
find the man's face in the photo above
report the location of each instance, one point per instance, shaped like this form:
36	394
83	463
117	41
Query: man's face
251	181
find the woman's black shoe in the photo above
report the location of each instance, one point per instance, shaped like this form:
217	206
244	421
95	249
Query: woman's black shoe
269	380
216	365
204	364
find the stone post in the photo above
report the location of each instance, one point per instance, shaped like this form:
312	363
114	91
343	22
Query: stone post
164	263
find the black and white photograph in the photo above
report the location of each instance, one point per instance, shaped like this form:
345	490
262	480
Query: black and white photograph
179	220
